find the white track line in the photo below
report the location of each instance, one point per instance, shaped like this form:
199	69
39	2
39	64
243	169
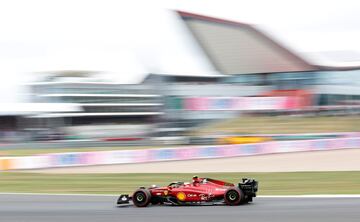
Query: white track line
63	194
261	196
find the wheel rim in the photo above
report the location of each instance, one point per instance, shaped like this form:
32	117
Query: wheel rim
232	195
140	197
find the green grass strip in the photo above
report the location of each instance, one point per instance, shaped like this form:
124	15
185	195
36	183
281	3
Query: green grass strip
270	183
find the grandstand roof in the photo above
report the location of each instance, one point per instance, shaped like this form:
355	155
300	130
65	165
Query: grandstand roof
239	48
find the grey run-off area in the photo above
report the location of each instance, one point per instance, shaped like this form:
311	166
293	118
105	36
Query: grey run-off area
29	208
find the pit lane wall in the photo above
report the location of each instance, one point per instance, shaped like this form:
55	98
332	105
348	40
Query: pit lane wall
171	154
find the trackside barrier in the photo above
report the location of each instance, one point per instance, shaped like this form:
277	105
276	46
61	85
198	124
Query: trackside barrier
169	154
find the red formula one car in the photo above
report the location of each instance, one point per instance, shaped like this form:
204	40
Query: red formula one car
200	191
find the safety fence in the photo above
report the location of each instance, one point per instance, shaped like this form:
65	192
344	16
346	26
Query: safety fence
171	154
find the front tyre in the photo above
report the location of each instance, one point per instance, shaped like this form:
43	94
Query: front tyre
233	196
141	197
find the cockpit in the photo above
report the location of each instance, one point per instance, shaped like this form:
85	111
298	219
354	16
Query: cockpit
196	181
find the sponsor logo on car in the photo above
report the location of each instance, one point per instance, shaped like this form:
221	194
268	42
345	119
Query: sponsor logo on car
181	196
203	196
192	195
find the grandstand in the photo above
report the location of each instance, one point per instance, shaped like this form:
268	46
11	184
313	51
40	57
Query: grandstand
100	103
251	66
246	55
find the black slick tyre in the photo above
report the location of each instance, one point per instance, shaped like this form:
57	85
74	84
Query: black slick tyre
233	196
141	198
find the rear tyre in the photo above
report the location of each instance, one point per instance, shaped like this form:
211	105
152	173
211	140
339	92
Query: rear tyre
141	197
233	196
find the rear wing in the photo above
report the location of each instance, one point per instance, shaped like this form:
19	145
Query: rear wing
249	186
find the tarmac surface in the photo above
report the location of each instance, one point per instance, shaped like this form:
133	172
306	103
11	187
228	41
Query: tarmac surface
30	208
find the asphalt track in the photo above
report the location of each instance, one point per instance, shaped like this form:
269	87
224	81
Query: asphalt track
31	208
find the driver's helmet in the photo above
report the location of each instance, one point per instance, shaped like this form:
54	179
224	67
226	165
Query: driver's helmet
196	181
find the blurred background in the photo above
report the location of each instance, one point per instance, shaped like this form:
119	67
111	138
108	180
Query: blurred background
89	74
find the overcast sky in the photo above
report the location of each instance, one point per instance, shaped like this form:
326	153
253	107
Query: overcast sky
127	39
